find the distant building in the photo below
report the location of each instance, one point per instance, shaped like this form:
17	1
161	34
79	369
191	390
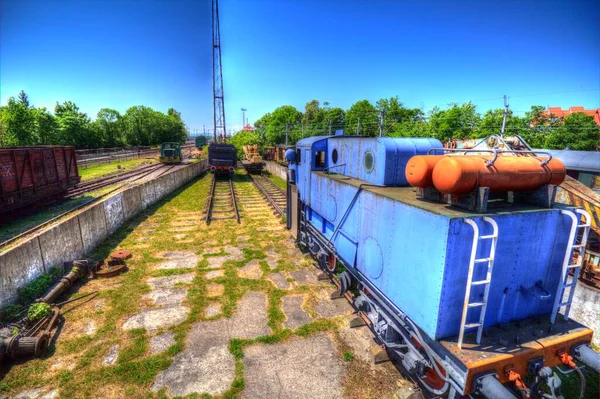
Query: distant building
248	128
559	113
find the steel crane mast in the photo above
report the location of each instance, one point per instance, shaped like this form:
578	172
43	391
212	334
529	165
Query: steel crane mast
220	132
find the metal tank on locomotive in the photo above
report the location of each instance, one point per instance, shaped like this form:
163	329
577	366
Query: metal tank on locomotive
466	285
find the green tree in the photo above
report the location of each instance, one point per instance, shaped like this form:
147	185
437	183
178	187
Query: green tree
578	132
459	121
75	127
491	123
369	119
23	99
18	125
313	119
242	138
45	125
337	117
398	119
281	117
110	127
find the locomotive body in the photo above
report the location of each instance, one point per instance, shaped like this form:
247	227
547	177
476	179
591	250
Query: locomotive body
222	158
457	295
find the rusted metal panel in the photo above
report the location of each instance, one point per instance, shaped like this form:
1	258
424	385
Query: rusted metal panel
29	174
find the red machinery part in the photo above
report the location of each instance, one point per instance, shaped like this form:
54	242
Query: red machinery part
464	173
419	170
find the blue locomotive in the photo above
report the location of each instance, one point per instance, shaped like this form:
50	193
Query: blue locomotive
469	291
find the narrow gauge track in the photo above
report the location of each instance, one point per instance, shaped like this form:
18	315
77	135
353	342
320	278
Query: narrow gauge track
222	203
92	186
97	184
274	195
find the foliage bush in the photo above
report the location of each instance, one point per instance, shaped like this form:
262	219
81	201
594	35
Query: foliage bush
29	293
38	311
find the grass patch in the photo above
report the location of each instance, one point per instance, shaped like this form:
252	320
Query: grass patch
277	180
100	170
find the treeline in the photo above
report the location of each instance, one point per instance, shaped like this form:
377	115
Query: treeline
390	118
22	124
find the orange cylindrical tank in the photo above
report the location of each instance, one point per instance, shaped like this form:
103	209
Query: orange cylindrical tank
463	173
419	170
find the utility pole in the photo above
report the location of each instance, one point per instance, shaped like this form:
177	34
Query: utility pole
358	127
287	132
381	122
302	125
505	116
218	96
244	117
330	128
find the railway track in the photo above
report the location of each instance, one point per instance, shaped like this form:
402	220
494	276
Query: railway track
97	184
126	178
222	203
271	192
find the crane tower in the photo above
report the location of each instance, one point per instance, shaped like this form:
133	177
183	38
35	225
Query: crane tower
219	131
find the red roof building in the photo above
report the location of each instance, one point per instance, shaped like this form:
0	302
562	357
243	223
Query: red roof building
558	112
248	128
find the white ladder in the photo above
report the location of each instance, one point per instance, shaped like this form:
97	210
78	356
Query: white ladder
567	265
485	282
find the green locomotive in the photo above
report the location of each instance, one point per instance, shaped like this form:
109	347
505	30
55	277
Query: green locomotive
201	141
170	153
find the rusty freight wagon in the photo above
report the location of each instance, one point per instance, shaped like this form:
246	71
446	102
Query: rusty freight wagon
31	174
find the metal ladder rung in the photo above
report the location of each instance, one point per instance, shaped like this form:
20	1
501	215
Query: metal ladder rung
565	304
475	304
472	325
584	225
575	266
483	260
569	285
578	246
480	282
488	237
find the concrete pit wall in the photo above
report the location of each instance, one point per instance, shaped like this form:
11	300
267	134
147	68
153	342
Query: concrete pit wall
585	309
275	169
80	234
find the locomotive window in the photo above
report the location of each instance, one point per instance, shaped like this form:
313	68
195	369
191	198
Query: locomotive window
320	159
369	161
334	156
298	152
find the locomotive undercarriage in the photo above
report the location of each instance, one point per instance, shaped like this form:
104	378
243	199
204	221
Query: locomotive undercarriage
424	360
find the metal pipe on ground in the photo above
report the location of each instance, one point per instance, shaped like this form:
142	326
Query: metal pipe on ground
491	388
587	356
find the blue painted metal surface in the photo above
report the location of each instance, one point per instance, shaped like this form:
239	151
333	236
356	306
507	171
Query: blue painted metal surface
389	155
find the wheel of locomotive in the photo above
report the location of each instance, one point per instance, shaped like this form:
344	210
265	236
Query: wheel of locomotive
431	381
331	263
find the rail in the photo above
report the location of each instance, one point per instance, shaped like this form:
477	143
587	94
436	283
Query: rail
271	192
221	200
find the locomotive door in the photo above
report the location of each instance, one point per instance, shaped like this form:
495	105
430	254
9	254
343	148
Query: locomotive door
294	206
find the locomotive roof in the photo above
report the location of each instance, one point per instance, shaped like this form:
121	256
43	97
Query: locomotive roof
408	196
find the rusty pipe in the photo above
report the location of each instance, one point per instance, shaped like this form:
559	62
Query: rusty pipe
79	270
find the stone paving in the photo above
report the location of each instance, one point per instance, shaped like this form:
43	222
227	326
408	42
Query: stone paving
297	369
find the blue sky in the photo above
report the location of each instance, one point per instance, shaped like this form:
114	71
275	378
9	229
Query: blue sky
120	53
